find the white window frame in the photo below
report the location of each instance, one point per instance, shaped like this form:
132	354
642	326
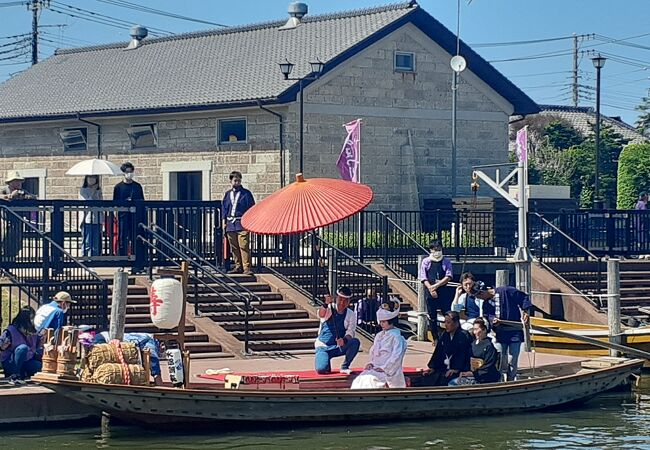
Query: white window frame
65	147
224	119
397	68
154	131
172	167
41	174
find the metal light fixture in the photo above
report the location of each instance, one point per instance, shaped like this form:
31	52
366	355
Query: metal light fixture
317	68
286	68
599	63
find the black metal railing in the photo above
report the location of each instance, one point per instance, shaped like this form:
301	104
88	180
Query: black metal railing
566	257
403	263
55	269
210	278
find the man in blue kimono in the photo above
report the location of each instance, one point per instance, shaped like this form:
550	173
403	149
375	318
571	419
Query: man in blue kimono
435	273
512	305
336	333
236	202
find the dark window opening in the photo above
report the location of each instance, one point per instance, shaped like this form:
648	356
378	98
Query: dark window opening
74	139
232	130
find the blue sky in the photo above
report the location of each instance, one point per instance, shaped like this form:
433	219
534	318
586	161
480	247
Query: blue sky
625	77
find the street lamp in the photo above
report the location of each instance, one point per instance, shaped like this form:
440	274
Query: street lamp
599	63
316	70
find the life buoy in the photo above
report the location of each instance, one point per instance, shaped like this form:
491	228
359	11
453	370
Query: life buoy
166	303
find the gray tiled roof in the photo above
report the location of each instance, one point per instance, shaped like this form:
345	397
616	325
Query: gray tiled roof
218	68
582	118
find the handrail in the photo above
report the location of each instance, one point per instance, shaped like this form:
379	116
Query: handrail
205	263
404	232
247	312
53	243
566	236
346	255
93	277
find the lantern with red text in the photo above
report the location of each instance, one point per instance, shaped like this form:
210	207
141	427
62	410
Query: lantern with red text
166	303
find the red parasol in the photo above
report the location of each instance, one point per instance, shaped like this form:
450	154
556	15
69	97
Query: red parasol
306	205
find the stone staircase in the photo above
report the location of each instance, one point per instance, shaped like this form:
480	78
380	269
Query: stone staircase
280	326
138	320
635	283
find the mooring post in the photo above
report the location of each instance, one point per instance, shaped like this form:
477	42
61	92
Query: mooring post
502	278
105	425
118	305
614	303
423	318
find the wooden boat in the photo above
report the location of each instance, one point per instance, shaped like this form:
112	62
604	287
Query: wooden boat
637	338
221	406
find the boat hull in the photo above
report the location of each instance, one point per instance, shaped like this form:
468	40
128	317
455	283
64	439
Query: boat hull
151	405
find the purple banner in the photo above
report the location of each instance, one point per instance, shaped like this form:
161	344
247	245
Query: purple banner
522	144
350	159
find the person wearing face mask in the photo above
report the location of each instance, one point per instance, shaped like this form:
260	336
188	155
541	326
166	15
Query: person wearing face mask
52	315
126	190
91	221
436	272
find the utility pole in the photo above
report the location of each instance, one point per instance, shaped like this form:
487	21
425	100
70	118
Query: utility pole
575	70
35	6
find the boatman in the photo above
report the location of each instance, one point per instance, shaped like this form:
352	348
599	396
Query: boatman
436	272
336	333
509	304
473	307
236	202
52	315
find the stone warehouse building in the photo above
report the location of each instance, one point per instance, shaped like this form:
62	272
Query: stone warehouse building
187	109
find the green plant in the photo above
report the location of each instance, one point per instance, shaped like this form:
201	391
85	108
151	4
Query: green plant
633	174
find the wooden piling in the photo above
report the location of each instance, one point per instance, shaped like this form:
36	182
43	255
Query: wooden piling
118	305
614	303
423	321
502	278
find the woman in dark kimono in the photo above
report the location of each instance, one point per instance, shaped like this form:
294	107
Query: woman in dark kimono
483	361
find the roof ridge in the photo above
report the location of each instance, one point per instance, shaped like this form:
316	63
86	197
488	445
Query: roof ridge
592	112
245	28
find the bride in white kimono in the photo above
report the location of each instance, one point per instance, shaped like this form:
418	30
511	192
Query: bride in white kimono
386	354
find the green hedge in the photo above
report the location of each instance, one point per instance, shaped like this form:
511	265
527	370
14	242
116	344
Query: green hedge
375	239
633	174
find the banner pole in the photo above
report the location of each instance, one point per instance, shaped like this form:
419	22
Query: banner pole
360	236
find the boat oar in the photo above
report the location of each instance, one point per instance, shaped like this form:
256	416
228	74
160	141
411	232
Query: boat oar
595	342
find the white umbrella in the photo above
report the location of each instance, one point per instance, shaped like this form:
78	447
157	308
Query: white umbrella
94	167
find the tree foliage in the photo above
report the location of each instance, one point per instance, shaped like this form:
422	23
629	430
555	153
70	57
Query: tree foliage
643	122
633	174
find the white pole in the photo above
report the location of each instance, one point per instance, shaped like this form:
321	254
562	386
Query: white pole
359	229
614	303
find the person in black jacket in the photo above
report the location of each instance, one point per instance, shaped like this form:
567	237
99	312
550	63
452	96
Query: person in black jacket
450	357
127	190
484	360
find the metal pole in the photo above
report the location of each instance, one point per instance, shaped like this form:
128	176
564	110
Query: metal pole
575	70
614	303
423	318
523	258
332	274
597	201
301	124
502	278
454	99
34	8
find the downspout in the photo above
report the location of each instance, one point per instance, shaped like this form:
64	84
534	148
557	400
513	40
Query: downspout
99	133
281	126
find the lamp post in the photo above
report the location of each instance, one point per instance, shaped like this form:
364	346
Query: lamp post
316	70
599	62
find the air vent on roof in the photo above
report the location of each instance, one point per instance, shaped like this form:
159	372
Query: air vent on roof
138	33
297	11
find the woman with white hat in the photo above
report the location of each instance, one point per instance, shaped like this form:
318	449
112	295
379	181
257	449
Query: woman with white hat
386	354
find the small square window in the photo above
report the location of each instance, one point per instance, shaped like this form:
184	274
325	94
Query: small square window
404	62
143	135
74	138
232	130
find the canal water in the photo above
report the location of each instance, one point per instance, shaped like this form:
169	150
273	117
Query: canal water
610	421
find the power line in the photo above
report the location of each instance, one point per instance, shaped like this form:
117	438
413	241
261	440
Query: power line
531	41
148	10
539	56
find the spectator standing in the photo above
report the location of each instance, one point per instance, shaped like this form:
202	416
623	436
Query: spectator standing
91	221
436	272
12	234
642	203
127	190
236	201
